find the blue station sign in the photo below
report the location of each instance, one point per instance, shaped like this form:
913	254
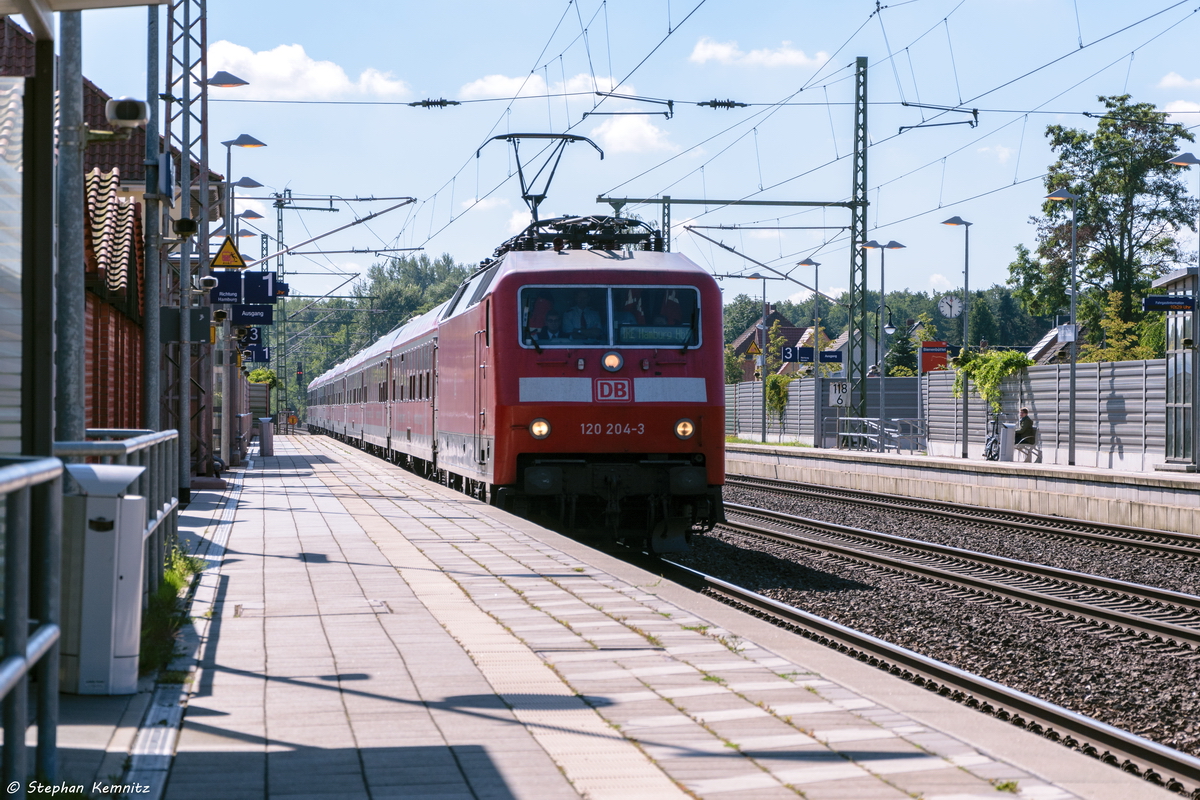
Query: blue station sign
800	355
831	356
252	315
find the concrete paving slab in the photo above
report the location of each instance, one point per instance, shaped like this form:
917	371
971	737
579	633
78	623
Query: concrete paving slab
399	638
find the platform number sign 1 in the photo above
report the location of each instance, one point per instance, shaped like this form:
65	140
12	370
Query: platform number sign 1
839	394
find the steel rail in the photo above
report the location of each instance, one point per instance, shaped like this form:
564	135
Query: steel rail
1158	541
1081	609
1152	761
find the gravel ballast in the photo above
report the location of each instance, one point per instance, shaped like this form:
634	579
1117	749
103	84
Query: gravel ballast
1128	684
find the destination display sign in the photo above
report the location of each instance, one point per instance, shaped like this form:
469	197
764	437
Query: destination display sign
1167	302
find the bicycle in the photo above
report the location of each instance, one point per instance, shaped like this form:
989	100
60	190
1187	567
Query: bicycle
991	445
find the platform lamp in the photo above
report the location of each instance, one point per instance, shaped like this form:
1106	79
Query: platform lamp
244	140
764	278
965	307
1060	195
231	400
808	262
884	330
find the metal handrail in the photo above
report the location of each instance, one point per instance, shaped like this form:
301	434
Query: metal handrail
32	489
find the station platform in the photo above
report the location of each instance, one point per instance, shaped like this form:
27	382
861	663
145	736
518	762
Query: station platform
1168	501
361	632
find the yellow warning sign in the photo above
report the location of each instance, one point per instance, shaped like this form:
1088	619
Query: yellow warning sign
228	256
753	349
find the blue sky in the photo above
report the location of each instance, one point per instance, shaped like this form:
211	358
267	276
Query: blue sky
995	56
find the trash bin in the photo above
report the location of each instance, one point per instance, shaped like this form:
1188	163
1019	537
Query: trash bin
266	436
1008	438
102	580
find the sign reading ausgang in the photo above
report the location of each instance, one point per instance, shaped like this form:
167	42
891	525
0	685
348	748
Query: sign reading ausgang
252	315
831	356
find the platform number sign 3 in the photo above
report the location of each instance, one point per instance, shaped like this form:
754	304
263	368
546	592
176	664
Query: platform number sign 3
839	394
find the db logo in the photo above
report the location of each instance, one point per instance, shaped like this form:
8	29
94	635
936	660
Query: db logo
613	390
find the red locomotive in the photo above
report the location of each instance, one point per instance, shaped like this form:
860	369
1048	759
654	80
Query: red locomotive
578	373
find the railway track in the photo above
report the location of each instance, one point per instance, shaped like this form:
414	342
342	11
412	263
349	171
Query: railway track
1154	762
1164	618
1127	538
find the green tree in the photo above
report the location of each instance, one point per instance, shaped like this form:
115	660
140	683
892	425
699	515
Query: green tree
1131	206
987	371
1121	340
264	375
902	354
740	313
777	397
734	373
982	322
775	343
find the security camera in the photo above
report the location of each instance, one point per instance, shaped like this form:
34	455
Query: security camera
208	283
125	112
185	227
219	316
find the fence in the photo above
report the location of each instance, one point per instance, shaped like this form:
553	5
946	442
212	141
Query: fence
1120	412
32	491
158	452
743	408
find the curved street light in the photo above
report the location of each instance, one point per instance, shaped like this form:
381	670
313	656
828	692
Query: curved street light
956	221
1063	195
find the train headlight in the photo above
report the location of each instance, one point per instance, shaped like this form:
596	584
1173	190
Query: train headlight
612	361
539	429
685	428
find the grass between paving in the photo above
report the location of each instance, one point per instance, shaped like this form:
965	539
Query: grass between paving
162	620
736	440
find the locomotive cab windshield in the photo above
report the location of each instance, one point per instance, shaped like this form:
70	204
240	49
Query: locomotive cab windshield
612	316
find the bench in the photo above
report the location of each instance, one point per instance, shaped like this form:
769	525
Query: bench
1031	450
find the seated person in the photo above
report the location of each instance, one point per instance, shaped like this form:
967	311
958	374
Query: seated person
1026	433
581	320
552	330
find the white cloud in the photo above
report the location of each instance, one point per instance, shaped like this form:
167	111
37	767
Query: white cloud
1002	153
834	291
491	86
289	73
730	54
800	297
494	86
1185	109
937	282
632	135
486	204
1173	80
519	220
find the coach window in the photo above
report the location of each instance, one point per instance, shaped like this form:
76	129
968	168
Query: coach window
656	316
564	316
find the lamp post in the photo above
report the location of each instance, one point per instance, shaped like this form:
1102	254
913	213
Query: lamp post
965	307
1187	160
1060	195
879	342
808	262
230	401
760	277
